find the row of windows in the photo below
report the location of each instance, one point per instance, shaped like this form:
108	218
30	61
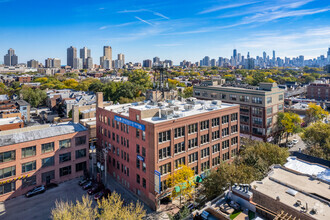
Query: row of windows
144	181
45	162
124	169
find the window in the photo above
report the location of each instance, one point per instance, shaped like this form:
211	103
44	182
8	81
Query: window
138	178
164	136
113	123
205	152
29	166
213	95
7	188
117	138
137	133
234	117
234	129
138	163
143	135
205	139
225	144
225	156
49	147
244	109
30	181
215	135
165	169
258	131
204	125
144	183
244	98
192	128
269	110
178	132
80	140
225	132
138	149
257	100
81	166
257	121
46	162
179	147
7	172
280	97
257	111
232	97
225	119
205	165
163	185
113	136
216	148
269	100
164	153
65	171
7	156
65	157
280	107
179	162
80	153
117	124
216	161
143	152
197	93
192	143
234	140
193	157
269	121
244	128
65	143
223	96
137	117
144	167
233	152
245	119
215	122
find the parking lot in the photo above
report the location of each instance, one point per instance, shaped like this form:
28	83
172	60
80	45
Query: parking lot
39	207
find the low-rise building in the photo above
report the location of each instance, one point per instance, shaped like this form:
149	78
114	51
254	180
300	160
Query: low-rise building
318	91
41	154
258	105
11	123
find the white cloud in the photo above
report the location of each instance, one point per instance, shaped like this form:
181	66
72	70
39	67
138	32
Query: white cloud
218	8
144	21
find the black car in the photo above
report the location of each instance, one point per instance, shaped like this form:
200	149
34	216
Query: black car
83	181
95	189
36	190
88	185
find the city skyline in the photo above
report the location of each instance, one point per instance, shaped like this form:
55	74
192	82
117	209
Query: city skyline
144	29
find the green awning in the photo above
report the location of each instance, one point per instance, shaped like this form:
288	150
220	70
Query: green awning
177	189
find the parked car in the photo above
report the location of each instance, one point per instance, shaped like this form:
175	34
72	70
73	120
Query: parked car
295	141
289	144
51	185
95	189
101	194
88	185
36	190
83	181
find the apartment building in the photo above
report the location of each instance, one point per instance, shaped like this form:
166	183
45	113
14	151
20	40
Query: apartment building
258	105
147	141
318	91
41	154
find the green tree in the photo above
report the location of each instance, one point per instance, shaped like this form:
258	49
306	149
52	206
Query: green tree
315	113
96	86
317	138
188	92
141	78
291	123
35	97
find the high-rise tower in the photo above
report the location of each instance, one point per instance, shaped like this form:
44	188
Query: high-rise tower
71	55
10	58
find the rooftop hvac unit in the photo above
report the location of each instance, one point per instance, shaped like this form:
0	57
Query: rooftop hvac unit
188	107
191	100
166	113
175	108
216	102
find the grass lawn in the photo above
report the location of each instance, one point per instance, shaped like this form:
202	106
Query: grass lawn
235	214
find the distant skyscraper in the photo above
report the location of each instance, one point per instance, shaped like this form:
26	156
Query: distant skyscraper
10	58
71	55
264	56
147	63
89	63
107	52
106	59
53	63
156	60
248	55
213	62
56	63
206	61
273	55
121	57
77	63
328	56
32	64
84	54
235	54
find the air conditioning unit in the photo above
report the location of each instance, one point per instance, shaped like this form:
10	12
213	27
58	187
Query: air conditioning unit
188	107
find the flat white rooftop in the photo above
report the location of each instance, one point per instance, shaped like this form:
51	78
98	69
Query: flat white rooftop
37	132
13	120
180	109
308	191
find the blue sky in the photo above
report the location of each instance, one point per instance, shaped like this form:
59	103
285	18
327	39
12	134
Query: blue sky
170	29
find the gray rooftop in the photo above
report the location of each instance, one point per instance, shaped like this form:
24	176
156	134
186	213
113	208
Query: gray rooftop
32	133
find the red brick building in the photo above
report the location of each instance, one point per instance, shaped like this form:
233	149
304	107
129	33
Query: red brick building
318	91
41	154
148	141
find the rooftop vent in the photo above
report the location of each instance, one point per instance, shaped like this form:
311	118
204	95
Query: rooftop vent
167	113
188	107
292	192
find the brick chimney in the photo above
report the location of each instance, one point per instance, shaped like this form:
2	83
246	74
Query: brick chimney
75	114
99	100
